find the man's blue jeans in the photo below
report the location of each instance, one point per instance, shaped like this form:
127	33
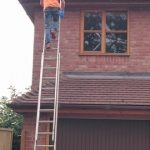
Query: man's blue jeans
51	22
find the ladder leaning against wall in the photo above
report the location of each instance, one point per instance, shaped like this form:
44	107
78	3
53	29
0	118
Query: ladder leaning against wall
47	128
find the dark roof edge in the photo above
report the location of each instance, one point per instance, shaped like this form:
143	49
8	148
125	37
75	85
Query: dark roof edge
108	75
87	106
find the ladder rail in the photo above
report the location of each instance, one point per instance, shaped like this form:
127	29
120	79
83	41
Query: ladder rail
56	86
57	102
39	96
57	98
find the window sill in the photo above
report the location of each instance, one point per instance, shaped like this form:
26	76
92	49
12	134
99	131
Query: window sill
102	54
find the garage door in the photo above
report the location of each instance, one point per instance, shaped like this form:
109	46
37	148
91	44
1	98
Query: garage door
80	134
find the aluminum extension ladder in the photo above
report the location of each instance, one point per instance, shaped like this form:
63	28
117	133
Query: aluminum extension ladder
51	120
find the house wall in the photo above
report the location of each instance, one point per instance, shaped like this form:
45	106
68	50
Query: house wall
71	60
29	132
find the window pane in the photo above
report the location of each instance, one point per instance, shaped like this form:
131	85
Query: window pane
116	21
116	42
92	21
92	41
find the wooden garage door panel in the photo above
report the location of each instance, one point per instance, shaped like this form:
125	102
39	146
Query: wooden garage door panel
76	134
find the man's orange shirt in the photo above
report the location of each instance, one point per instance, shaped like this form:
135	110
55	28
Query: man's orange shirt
51	3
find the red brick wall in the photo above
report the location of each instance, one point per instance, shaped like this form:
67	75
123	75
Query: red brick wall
38	39
138	61
29	130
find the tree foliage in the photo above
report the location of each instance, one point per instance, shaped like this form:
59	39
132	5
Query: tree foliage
9	118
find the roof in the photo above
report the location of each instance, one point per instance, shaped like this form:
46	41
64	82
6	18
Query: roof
95	90
31	6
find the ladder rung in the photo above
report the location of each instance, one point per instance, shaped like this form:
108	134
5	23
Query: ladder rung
46	110
49	133
54	48
46	88
46	121
45	145
49	78
50	98
49	67
50	58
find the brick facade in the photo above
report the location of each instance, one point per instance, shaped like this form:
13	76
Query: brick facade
29	126
71	60
29	131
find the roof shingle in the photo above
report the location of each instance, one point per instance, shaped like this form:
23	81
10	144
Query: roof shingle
95	91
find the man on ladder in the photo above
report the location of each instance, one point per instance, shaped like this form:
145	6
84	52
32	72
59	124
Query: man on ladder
52	9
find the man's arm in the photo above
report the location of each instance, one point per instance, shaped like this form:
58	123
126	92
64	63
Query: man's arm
62	4
41	3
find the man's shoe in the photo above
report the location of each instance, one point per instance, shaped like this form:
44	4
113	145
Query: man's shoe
48	46
53	34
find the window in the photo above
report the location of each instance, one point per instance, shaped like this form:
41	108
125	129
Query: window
104	32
